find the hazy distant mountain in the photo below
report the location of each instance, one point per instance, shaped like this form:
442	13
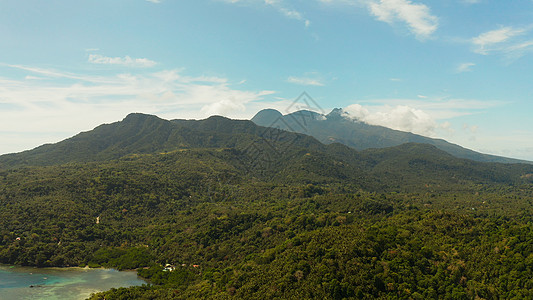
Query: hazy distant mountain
334	127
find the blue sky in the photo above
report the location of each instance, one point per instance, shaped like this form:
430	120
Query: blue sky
454	69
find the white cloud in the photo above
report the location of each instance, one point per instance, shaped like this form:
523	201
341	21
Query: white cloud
154	1
489	41
63	104
49	72
223	101
400	117
509	42
124	61
29	77
517	50
356	112
427	116
439	108
292	14
465	67
305	81
417	17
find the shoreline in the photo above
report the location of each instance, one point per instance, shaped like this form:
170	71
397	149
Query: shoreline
66	267
30	282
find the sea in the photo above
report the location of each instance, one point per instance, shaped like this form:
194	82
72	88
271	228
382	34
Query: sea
20	283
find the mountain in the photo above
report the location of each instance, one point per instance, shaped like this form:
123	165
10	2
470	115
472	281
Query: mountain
142	134
221	208
139	134
272	154
335	128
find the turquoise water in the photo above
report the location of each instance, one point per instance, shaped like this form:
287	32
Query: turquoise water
19	283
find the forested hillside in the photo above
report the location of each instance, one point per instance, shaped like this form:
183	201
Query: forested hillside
241	211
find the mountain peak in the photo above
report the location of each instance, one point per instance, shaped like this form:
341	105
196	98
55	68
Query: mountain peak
336	114
266	116
136	117
307	113
268	111
337	111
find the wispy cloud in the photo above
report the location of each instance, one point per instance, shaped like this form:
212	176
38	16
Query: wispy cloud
465	67
400	117
154	1
490	40
417	17
281	6
517	50
440	108
157	87
510	42
52	73
123	61
67	103
426	115
305	81
293	14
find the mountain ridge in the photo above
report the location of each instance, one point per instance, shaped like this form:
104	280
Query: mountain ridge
269	153
334	127
233	208
141	133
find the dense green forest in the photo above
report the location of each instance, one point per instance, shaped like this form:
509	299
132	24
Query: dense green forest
239	213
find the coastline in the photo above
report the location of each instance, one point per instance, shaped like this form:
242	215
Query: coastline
69	283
